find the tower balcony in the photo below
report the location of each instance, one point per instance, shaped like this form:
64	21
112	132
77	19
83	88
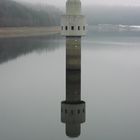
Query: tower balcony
73	25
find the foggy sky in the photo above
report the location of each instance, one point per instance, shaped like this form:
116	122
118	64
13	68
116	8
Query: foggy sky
89	2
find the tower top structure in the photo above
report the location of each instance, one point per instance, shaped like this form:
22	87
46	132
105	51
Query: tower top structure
73	22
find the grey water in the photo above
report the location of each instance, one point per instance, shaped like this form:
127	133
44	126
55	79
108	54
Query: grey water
32	86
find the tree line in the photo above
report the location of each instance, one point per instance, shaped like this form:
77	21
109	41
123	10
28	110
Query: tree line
14	14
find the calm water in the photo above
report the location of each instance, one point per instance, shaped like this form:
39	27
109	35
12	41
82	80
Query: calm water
32	86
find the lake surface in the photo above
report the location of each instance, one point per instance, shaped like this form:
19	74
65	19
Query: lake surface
32	86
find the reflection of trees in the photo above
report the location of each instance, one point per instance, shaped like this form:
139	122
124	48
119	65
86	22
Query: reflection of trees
13	48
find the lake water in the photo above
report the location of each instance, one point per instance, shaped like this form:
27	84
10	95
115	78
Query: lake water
32	86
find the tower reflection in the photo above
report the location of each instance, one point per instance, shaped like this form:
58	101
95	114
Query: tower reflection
73	109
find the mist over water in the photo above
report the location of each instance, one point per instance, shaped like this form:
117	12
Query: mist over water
88	2
32	85
96	78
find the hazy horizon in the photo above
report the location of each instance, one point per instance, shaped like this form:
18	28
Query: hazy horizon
87	2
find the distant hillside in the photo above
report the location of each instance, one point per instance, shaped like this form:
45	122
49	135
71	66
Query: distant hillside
14	14
112	15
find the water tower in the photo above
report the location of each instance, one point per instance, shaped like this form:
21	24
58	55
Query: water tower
73	26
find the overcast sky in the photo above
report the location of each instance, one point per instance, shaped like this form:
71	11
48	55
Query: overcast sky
89	2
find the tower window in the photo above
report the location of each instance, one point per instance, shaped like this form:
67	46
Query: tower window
78	111
83	110
72	27
84	27
66	28
66	111
78	27
72	112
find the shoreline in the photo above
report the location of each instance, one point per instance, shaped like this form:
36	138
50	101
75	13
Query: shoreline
13	32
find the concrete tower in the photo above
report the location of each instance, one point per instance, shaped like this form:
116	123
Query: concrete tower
73	27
